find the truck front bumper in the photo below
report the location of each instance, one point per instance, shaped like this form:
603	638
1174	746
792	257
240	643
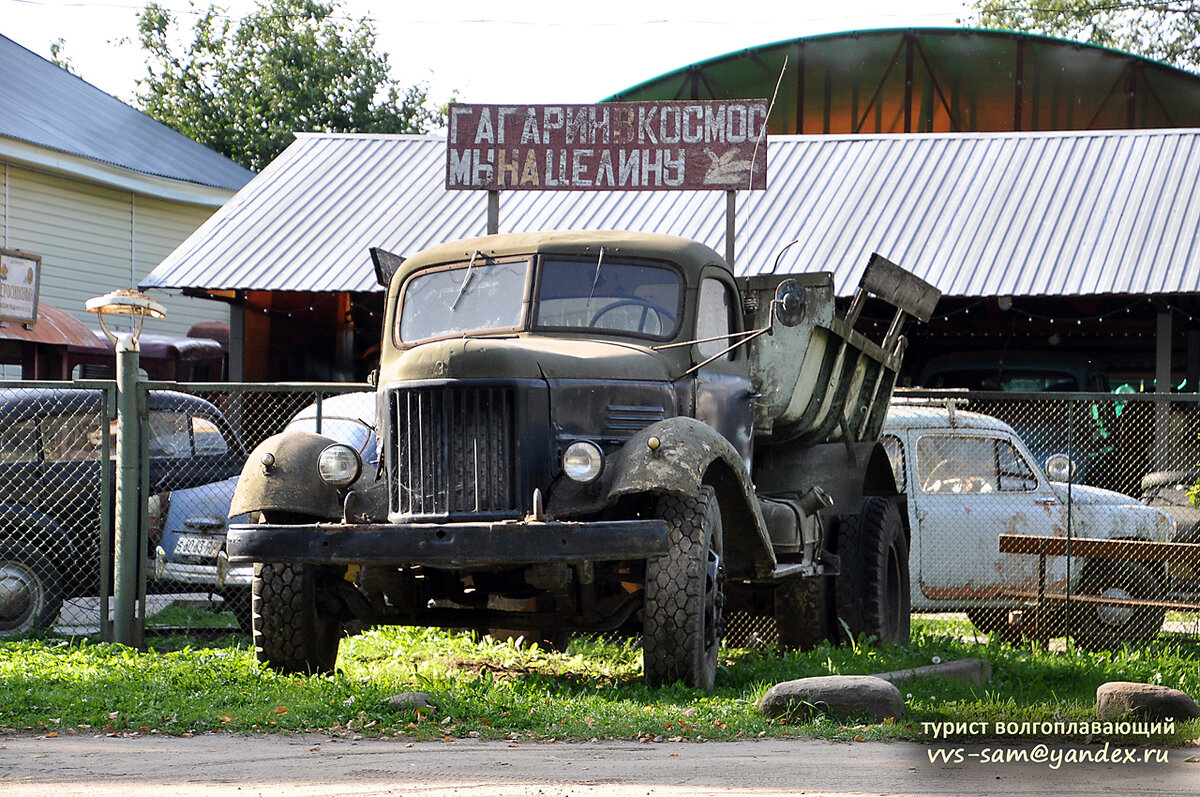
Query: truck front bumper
459	546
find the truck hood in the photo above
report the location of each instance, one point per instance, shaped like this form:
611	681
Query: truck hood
532	357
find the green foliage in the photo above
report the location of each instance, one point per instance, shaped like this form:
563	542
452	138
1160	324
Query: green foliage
503	690
243	87
1162	30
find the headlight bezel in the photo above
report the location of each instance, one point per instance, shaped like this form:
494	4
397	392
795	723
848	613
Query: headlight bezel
583	461
339	465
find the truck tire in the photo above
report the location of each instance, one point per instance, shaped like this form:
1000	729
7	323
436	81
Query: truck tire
804	615
685	598
30	589
289	631
1102	627
872	590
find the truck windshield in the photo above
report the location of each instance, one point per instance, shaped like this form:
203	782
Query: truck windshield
609	296
472	297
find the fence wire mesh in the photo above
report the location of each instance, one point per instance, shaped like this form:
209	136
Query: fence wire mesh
58	496
1090	494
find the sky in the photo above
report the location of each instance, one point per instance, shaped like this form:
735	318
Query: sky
483	51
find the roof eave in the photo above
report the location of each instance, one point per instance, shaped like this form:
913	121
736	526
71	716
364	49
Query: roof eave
23	153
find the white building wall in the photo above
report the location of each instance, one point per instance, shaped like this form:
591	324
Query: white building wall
94	239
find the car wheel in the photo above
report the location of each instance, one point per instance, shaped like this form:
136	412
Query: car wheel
30	592
804	615
988	621
872	589
1098	627
291	633
685	597
238	601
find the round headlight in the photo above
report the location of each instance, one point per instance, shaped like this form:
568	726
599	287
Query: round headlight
339	465
583	461
1060	468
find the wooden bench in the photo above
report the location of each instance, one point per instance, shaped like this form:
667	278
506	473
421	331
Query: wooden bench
1087	548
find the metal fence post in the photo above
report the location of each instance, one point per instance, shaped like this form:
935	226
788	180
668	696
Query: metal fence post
125	567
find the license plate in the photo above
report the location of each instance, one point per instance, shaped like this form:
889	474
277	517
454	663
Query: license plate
202	547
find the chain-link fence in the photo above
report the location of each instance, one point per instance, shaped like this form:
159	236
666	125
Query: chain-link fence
1041	513
57	476
1045	514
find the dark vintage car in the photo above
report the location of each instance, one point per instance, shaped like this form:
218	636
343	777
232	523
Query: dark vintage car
51	446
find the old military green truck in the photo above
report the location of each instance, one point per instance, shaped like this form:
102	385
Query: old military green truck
599	432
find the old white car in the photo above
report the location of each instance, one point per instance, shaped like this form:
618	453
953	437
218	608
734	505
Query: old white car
966	478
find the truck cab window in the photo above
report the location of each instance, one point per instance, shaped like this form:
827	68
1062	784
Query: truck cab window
472	297
715	319
610	296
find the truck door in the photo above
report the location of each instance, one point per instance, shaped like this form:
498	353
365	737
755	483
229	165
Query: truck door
723	392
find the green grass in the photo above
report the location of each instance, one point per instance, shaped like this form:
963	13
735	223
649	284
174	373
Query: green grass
496	689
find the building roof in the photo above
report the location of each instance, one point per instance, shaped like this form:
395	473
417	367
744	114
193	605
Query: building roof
928	80
46	106
1020	214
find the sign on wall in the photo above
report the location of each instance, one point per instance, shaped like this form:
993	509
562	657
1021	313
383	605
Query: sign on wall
20	279
621	146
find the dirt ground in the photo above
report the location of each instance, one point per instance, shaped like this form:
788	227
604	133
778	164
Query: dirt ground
310	765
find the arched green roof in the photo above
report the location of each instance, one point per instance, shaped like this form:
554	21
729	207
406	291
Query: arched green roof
940	80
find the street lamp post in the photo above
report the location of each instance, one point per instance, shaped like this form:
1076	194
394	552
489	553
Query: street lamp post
129	548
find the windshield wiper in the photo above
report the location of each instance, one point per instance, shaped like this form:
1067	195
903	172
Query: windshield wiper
595	278
466	279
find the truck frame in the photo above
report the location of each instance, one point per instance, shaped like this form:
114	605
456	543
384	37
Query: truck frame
595	432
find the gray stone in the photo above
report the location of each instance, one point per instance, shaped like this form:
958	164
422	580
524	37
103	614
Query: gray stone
967	671
839	696
1117	698
411	701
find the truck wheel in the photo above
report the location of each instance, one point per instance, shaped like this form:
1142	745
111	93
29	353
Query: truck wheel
872	590
685	597
290	633
1098	627
804	613
30	595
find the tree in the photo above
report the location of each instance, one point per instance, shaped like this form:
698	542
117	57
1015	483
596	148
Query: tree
290	65
1163	30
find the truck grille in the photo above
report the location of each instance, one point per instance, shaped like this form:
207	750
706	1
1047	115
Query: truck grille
453	451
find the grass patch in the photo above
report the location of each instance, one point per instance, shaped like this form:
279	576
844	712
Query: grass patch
497	689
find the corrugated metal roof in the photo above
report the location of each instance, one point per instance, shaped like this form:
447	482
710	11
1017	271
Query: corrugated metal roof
47	106
1022	214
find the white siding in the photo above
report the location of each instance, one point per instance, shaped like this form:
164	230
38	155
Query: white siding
160	226
85	235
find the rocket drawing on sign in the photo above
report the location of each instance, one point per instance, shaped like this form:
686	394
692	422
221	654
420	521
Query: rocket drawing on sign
725	170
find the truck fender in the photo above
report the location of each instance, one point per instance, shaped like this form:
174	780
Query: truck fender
281	475
681	455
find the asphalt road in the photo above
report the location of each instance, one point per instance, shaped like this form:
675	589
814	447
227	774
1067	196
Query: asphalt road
310	765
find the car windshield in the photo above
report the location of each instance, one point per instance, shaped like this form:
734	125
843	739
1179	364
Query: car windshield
350	431
472	297
1008	380
609	296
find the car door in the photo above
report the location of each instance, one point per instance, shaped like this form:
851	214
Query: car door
974	487
187	448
